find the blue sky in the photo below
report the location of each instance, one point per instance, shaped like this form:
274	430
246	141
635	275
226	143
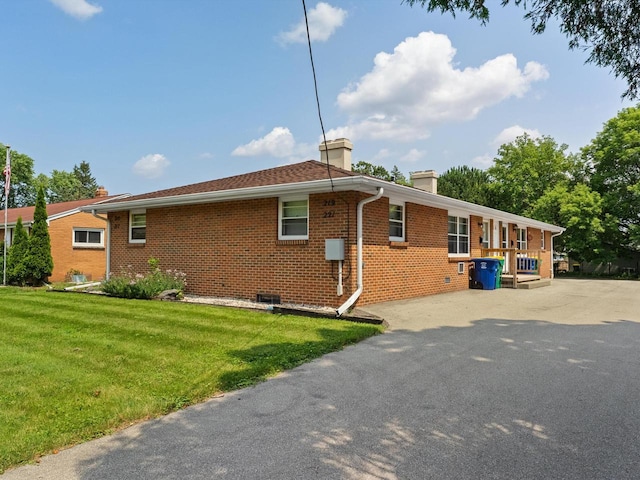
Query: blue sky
161	93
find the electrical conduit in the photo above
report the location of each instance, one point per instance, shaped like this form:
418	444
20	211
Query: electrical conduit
352	299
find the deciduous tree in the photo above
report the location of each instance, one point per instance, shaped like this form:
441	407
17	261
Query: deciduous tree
579	210
525	168
21	192
614	155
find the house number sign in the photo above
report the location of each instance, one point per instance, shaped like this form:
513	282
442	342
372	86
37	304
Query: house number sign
329	203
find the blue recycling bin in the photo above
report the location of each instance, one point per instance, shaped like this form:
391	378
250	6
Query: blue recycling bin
485	272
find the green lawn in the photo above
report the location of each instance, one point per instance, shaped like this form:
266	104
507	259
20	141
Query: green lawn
75	366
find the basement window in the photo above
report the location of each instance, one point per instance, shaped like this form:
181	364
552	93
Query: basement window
88	237
293	221
138	226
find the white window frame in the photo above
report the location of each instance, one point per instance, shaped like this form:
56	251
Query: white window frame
131	226
542	240
282	218
521	239
87	244
458	235
400	222
505	236
486	233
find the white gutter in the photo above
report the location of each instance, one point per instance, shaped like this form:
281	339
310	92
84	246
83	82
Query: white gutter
359	183
352	299
108	246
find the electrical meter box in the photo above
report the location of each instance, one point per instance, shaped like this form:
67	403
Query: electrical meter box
334	249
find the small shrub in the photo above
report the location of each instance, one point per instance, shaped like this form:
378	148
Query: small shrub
129	284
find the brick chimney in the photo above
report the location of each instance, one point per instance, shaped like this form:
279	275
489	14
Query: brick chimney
339	152
101	192
426	180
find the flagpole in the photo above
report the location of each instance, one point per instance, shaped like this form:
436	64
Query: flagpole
7	179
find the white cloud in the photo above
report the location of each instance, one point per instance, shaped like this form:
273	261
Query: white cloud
206	156
509	134
381	155
151	166
413	155
80	9
418	86
483	161
279	142
323	22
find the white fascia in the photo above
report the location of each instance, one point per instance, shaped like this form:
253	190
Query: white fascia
359	183
300	188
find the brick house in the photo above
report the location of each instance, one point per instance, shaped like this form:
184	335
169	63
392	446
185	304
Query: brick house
316	234
78	239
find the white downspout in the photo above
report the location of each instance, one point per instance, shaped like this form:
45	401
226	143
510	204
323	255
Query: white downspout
108	246
352	299
553	250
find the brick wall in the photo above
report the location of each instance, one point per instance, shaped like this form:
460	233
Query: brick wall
231	249
91	262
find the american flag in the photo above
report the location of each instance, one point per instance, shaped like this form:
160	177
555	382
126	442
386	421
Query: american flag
7	178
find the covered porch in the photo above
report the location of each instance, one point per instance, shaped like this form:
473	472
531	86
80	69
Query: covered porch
521	268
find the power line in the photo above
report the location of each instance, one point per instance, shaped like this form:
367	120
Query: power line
315	84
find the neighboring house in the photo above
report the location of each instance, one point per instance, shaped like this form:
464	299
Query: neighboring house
78	239
292	233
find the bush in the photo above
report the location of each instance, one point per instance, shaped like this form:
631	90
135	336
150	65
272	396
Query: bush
129	284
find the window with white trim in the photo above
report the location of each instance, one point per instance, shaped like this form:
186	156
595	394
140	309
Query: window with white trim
486	234
542	239
522	239
293	221
458	236
88	237
396	223
505	236
138	226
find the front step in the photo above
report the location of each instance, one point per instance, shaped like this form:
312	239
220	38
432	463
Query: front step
525	281
543	282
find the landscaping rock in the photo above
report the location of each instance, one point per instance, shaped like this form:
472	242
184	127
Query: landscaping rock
170	295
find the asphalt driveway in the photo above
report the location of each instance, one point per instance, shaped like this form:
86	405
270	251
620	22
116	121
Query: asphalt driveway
505	384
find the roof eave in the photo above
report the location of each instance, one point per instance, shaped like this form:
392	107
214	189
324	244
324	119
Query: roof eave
360	183
266	191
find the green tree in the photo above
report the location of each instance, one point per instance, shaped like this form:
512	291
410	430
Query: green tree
16	255
398	177
21	192
608	29
88	184
614	155
526	168
380	172
38	261
64	187
466	183
579	210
